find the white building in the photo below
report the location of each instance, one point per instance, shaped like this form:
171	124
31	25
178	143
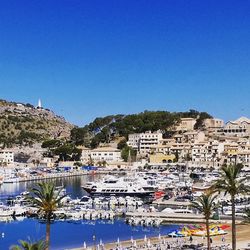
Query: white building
144	142
239	127
6	156
101	154
207	152
134	141
244	158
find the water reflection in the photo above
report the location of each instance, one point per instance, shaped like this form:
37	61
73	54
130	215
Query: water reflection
65	234
72	185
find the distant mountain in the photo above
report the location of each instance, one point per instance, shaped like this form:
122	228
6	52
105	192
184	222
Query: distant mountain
24	124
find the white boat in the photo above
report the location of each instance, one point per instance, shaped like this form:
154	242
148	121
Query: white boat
86	200
11	180
5	211
1	180
177	211
118	187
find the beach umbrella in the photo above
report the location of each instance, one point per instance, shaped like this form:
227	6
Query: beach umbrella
135	244
149	243
84	245
159	236
132	240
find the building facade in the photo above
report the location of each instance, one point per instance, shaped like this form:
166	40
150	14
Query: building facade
186	124
144	142
6	156
101	154
239	127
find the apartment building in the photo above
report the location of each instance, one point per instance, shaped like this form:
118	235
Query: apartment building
209	152
244	158
6	156
101	154
144	142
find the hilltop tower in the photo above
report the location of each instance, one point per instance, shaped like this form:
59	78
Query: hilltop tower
39	105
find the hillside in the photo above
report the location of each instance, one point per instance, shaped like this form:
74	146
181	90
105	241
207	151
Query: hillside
107	129
23	124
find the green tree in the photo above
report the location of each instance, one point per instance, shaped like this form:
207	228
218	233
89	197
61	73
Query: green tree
79	135
47	199
29	245
206	205
200	120
122	144
65	152
232	183
125	153
51	144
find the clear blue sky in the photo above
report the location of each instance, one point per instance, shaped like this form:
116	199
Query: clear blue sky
89	58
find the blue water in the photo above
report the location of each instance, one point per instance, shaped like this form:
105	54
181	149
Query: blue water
65	235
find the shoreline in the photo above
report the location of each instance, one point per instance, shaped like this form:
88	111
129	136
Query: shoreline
243	238
59	175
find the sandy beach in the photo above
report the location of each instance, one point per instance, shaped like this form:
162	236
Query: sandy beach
243	238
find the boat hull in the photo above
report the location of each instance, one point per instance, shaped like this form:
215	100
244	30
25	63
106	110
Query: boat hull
134	194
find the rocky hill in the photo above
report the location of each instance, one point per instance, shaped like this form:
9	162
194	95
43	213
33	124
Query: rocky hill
24	124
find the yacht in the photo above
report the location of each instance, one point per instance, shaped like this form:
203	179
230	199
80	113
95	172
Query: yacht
116	186
178	211
11	179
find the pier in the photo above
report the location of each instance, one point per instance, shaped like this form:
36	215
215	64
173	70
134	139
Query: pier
61	175
171	203
169	217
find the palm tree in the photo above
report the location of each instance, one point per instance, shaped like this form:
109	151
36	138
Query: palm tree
47	200
231	182
206	205
29	245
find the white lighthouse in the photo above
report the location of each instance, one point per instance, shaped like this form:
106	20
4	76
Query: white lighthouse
39	105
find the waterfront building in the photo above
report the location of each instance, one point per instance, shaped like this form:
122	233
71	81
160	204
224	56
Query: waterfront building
101	154
6	156
48	161
161	158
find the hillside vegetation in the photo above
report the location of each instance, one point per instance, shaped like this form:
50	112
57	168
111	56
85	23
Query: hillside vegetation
106	129
23	124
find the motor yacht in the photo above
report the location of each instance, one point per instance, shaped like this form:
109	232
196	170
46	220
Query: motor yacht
116	186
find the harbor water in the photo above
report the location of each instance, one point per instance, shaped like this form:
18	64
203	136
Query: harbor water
65	234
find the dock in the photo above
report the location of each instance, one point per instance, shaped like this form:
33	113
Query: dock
169	217
61	175
171	203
